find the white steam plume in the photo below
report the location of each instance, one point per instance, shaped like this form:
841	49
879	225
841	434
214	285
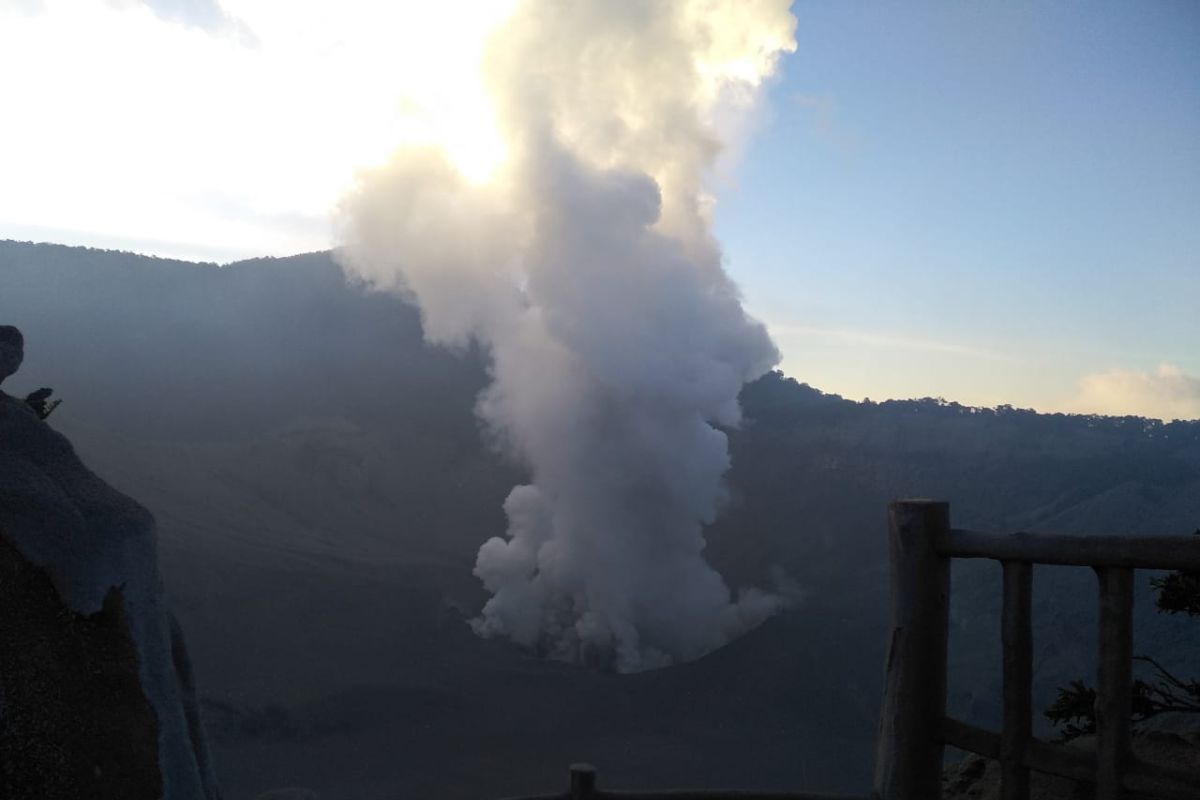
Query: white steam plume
586	267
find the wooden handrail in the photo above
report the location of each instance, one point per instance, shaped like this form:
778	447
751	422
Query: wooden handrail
1073	763
1113	769
1132	552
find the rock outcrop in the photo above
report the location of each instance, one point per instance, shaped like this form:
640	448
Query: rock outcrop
96	693
12	350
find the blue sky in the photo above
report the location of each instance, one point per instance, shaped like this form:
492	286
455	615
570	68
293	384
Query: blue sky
989	202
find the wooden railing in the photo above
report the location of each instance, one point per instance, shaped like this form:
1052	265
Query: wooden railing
913	726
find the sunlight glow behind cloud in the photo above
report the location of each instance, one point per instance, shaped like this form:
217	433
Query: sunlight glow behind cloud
245	133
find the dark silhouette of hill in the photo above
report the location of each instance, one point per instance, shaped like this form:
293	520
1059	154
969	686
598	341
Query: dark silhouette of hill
322	486
222	352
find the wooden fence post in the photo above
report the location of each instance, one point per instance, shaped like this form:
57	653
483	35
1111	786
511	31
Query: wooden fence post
908	761
583	782
1016	636
1114	681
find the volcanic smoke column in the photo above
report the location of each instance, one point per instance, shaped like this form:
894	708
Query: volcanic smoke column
586	267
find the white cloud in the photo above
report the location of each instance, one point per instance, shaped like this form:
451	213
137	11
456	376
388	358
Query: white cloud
1166	393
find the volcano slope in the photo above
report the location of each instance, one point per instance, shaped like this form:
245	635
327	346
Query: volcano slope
322	486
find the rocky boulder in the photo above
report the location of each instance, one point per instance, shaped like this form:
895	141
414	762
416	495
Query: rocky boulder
96	693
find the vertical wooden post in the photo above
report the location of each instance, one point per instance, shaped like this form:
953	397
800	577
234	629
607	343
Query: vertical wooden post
1114	680
908	761
1016	636
583	782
